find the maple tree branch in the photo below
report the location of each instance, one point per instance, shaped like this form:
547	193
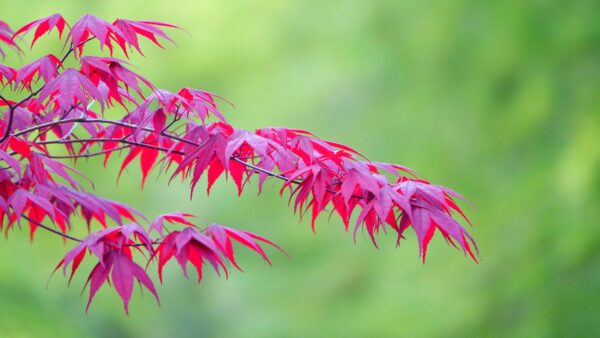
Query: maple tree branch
124	124
11	114
120	140
234	158
6	101
87	120
11	110
76	239
321	175
133	126
47	228
85	155
105	121
176	118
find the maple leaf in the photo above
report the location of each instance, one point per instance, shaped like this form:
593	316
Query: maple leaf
42	26
149	29
11	161
356	180
45	67
200	158
61	170
175	217
199	102
111	71
112	248
7	74
223	237
189	245
6	37
70	89
148	156
91	26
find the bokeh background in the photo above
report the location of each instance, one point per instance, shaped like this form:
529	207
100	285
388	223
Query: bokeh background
499	100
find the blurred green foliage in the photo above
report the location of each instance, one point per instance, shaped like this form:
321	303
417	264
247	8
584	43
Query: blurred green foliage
499	100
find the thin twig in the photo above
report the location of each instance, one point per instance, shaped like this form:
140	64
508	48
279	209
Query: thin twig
56	232
85	155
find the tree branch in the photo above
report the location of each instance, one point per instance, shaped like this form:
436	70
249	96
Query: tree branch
6	101
120	140
47	228
69	237
85	155
132	126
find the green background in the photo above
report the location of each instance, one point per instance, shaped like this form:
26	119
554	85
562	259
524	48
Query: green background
499	100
